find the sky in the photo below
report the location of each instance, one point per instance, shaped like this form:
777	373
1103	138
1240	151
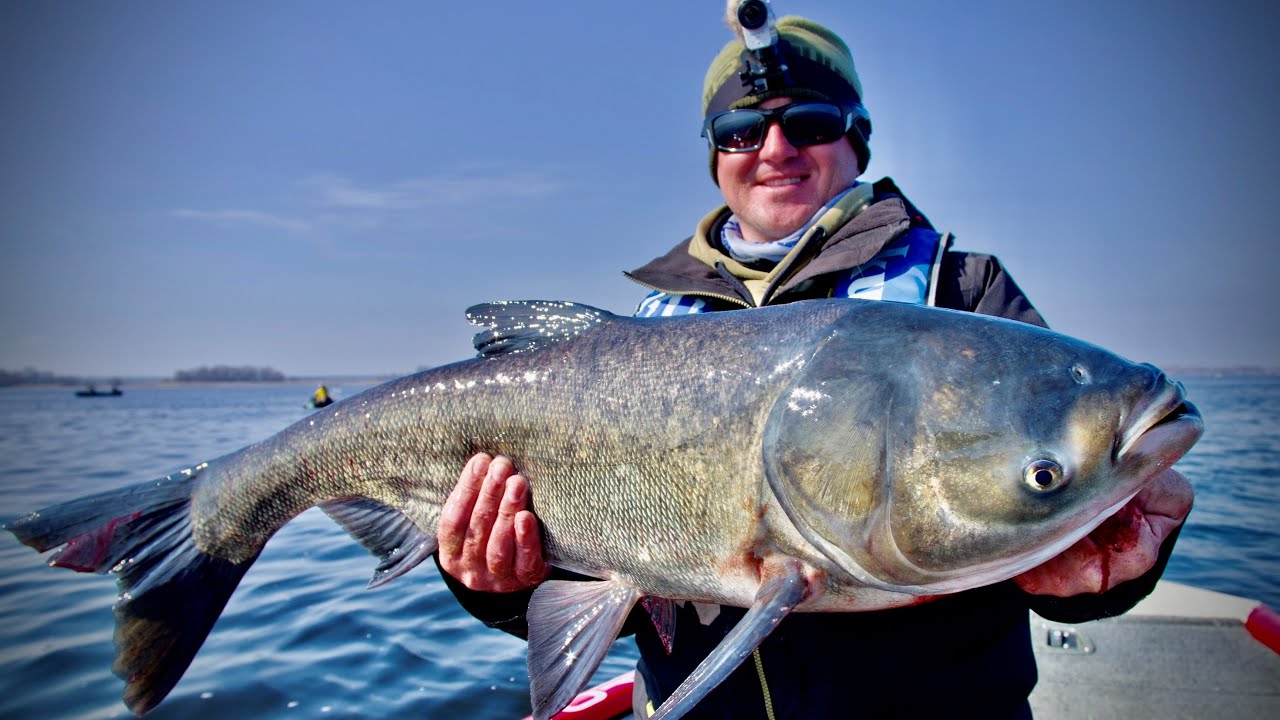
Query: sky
324	187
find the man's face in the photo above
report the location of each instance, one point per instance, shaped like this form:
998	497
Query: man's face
777	188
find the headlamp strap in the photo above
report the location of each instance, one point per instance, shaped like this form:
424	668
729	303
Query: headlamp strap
765	69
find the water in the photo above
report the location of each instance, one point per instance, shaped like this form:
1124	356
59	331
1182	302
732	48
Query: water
302	638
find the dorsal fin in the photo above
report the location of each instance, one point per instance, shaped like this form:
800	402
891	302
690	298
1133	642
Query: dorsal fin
521	325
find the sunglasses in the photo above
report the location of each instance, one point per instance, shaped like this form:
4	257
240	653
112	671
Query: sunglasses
808	123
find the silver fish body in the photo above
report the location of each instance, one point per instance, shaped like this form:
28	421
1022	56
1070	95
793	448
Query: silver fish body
820	456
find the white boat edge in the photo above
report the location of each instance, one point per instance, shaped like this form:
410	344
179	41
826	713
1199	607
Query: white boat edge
1174	599
1182	652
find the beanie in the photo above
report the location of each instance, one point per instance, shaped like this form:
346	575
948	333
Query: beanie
819	67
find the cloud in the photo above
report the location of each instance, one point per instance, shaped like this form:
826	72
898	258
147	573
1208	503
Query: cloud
234	218
440	190
333	202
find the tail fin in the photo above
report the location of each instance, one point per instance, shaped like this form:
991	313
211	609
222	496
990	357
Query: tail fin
171	593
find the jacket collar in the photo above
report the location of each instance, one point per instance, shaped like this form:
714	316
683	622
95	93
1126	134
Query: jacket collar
848	235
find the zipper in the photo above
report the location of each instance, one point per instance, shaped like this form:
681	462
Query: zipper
694	293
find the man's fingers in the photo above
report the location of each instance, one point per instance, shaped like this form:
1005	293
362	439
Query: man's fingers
488	538
1167	500
530	568
455	516
485	510
1157	511
501	550
1125	546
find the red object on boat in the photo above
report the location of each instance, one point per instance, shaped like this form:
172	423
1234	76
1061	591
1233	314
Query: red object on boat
603	702
1264	625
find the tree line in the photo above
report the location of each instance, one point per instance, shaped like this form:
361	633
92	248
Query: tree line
204	373
229	373
31	376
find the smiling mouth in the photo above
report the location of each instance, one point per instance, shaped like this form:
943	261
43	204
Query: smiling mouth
782	182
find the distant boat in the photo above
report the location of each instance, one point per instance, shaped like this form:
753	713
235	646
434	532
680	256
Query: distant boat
91	391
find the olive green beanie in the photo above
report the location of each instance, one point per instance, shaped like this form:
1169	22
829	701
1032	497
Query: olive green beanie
820	67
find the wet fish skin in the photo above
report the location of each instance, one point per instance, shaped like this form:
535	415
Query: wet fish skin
733	458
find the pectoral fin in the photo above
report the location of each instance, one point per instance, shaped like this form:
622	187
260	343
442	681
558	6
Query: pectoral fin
571	626
775	599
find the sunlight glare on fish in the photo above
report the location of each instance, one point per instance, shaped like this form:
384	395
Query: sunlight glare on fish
805	401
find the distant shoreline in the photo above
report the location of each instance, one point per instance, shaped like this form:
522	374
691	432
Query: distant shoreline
1174	371
1241	370
310	382
171	383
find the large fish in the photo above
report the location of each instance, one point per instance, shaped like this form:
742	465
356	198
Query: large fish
831	455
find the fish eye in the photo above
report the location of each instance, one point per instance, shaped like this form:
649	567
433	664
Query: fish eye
1044	475
1080	374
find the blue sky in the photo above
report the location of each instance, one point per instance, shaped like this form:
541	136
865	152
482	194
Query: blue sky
323	187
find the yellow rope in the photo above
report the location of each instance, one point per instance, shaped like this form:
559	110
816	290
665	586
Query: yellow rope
764	685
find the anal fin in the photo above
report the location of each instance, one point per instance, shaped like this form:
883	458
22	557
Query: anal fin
572	624
398	543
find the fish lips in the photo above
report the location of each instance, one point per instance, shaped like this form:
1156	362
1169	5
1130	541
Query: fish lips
1161	430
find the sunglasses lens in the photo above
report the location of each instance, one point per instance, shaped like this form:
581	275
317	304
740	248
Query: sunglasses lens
742	130
812	124
802	123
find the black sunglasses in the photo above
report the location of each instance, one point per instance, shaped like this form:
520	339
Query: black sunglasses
807	123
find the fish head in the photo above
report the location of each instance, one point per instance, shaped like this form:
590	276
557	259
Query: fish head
927	451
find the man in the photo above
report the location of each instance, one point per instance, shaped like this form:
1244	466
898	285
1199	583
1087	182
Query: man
786	155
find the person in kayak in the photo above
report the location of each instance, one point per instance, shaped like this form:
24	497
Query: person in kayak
321	398
797	224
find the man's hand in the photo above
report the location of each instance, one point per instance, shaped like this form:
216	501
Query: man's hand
1122	548
489	540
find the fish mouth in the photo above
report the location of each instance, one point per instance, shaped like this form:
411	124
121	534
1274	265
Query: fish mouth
1162	428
